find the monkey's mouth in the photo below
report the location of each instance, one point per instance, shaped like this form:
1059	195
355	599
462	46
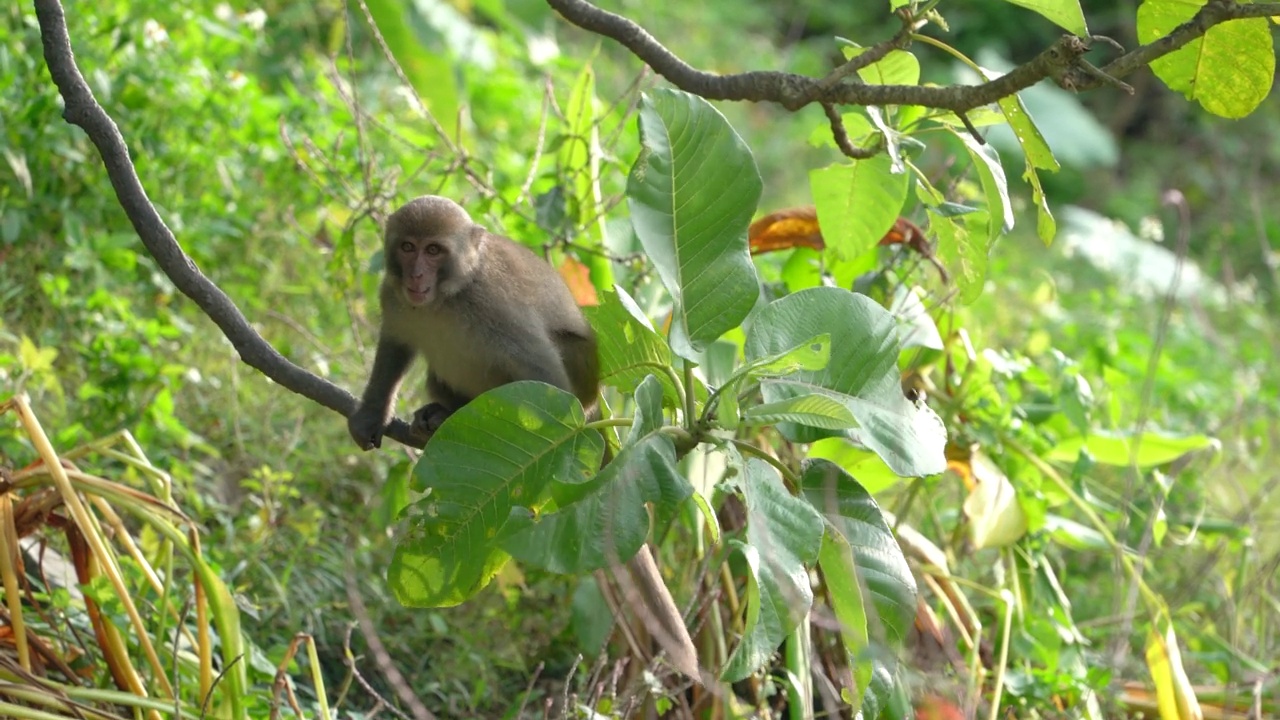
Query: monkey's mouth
418	297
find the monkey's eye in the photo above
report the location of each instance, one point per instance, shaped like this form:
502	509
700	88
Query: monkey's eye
406	247
434	249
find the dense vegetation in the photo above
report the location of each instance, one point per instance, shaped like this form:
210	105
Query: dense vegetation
1071	435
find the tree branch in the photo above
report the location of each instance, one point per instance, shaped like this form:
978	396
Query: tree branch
82	109
1062	61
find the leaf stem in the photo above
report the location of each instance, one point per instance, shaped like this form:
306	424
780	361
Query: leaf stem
792	479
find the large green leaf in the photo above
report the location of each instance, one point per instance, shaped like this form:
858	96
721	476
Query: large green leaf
784	535
820	411
882	571
692	193
1229	71
495	454
604	521
610	523
862	374
857	202
899	67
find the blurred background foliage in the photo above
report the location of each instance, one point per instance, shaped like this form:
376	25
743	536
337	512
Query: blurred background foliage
240	119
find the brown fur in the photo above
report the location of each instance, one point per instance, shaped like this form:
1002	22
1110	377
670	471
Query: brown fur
500	314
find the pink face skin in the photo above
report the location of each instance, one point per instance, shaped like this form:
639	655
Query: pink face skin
420	261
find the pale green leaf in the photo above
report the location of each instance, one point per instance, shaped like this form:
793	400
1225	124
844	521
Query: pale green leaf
1066	14
1229	71
857	202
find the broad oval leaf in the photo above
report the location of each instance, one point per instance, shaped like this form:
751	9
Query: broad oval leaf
784	535
497	453
691	194
1229	71
609	523
858	201
881	568
862	374
899	67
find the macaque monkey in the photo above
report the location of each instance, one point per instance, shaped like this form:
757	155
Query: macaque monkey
484	311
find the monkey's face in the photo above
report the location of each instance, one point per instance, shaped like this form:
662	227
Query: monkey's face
423	264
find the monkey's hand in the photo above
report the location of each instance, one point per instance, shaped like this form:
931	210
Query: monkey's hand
428	419
366	425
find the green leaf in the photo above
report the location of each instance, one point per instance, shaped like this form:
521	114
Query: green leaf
630	349
609	523
497	453
579	160
1118	450
840	572
915	325
1046	226
994	185
1033	144
648	412
812	354
35	359
882	569
862	374
1066	14
867	467
692	193
857	201
784	535
814	410
899	67
1229	71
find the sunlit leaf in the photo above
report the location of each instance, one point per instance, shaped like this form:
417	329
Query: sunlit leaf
1149	450
1229	71
1065	13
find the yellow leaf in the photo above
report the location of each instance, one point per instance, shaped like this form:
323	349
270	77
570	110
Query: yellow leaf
35	360
995	517
1175	699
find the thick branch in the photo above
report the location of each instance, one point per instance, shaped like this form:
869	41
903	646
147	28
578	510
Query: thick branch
1214	12
82	109
1060	61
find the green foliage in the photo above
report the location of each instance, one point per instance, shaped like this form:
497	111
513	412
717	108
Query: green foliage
1229	71
691	195
1063	425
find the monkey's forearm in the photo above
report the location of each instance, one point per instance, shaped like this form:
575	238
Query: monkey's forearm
390	363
